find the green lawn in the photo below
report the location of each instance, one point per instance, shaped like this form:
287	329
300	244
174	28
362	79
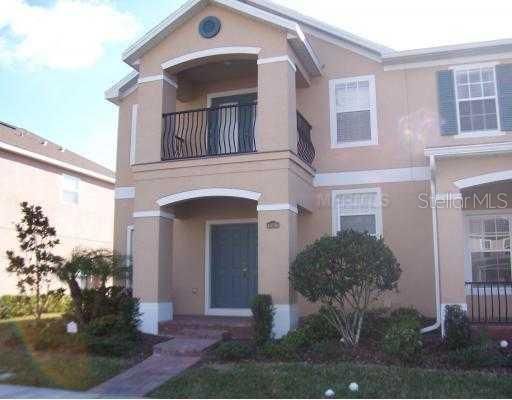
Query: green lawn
300	380
58	369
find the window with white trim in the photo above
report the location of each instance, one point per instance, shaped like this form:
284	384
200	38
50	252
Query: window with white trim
477	104
489	248
357	209
70	189
353	111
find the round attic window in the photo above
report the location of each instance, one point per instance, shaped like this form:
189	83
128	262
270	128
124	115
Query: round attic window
209	27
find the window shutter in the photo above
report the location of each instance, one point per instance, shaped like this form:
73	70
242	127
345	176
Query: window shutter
504	83
447	103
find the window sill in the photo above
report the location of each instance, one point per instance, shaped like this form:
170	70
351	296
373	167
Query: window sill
365	143
479	134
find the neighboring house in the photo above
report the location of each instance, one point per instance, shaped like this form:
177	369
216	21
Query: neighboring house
247	131
75	193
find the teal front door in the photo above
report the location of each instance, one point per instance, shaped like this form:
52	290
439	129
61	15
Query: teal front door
233	265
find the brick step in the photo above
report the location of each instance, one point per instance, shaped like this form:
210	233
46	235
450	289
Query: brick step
201	326
199	333
189	347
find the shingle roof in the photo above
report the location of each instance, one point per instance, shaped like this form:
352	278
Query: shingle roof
14	138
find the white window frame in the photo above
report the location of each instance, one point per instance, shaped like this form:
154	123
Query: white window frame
377	212
468	268
133	133
484	133
64	189
374	140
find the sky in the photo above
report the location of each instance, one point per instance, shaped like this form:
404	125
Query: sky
57	57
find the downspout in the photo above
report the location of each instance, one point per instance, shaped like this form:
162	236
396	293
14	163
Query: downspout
433	193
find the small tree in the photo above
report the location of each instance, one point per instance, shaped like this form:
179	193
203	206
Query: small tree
97	267
346	273
37	239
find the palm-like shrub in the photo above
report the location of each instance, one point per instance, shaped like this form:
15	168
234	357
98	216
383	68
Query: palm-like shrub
346	273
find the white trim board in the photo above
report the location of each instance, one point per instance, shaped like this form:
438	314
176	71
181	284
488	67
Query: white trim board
216	51
284	58
154	78
483	179
411	174
208	310
121	193
61	164
210	192
277	207
153	214
472	149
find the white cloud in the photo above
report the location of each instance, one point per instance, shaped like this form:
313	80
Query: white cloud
69	34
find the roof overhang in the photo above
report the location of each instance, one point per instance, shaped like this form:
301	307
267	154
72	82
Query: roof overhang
493	177
469	150
122	88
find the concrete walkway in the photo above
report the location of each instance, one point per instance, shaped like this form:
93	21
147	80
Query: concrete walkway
29	392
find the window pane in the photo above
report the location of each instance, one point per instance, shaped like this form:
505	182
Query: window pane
474	75
475	90
490	106
465	124
359	223
465	108
463	91
488	74
478	122
353	126
491	267
462	77
477	107
488	89
491	122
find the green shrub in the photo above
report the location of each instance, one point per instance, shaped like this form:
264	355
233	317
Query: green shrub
233	351
277	351
402	338
295	341
22	306
263	315
482	355
50	335
317	328
457	328
406	313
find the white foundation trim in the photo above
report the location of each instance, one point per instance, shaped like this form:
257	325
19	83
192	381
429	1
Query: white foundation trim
152	314
209	53
483	179
411	174
448	197
153	214
211	192
285	58
472	149
208	310
154	78
127	192
286	319
277	207
52	161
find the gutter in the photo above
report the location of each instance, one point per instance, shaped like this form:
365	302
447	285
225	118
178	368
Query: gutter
433	193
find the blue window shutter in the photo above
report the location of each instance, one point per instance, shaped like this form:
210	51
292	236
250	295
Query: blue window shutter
447	103
504	83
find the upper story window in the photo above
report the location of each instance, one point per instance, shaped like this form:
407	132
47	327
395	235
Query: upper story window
357	209
353	111
70	189
476	99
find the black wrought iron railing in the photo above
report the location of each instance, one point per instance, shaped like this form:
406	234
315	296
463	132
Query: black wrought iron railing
305	148
209	132
489	302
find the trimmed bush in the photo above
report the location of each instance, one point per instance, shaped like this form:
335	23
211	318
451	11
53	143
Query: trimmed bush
457	328
233	351
317	328
482	355
402	338
263	315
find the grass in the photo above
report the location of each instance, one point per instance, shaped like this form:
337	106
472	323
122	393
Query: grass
302	380
59	369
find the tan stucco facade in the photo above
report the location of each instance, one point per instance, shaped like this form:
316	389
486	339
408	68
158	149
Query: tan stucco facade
86	224
170	222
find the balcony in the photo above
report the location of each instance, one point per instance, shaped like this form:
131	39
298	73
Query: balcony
221	131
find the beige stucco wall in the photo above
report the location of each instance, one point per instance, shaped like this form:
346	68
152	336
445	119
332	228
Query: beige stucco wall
407	122
87	224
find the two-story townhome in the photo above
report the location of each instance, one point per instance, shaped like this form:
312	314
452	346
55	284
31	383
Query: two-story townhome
247	131
75	193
